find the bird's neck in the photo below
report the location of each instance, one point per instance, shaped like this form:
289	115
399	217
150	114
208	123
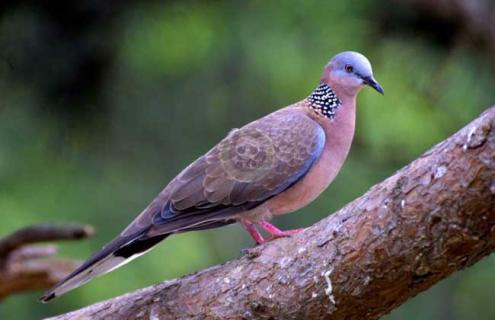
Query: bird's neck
338	119
324	101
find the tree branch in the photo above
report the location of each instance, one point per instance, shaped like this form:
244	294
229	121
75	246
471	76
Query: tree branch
430	219
25	267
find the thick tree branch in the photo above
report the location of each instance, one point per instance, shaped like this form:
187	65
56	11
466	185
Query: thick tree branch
26	267
430	219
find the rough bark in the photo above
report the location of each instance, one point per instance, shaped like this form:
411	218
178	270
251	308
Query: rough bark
430	219
26	267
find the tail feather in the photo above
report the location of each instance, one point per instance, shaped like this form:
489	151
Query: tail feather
114	255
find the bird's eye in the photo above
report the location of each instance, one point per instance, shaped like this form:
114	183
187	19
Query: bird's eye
349	68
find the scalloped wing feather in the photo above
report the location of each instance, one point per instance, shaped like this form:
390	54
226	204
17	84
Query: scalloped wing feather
249	166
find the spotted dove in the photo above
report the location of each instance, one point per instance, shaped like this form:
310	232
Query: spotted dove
271	166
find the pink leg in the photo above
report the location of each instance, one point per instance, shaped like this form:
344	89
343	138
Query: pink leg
253	232
276	232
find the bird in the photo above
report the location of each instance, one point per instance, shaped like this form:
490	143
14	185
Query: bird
269	167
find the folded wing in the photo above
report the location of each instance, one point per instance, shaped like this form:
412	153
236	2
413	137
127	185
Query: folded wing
248	167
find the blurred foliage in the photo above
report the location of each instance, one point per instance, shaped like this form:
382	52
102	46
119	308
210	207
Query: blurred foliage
167	81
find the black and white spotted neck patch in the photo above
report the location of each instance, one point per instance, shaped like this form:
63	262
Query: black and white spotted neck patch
324	101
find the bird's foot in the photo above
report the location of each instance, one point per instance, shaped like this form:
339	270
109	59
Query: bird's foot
253	232
276	232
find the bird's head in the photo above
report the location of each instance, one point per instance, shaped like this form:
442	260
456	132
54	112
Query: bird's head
350	71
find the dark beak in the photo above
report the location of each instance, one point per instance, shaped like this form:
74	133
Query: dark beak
370	81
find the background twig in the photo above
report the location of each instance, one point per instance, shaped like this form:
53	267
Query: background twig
26	267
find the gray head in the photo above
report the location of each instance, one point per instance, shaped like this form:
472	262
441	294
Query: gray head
350	71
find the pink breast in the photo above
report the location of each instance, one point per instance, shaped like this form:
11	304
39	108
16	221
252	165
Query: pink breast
339	133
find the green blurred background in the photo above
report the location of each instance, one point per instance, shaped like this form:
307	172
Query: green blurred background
103	102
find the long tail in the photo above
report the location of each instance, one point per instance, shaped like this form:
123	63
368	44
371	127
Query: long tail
115	254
